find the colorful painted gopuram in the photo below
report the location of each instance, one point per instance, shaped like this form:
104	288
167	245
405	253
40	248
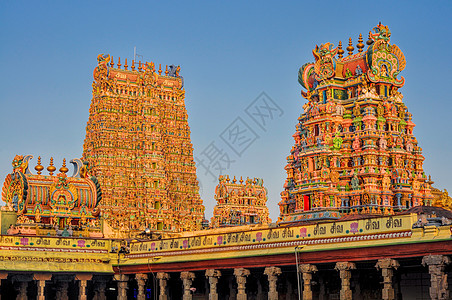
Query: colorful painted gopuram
359	218
354	152
138	143
240	203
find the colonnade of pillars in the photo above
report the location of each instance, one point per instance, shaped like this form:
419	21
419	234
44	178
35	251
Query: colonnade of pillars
62	285
436	266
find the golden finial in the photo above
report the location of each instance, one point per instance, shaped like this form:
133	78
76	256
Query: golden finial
234	180
112	62
227	178
360	44
125	65
133	65
39	167
241	180
160	69
64	169
51	168
119	63
340	52
350	47
369	41
139	66
166	71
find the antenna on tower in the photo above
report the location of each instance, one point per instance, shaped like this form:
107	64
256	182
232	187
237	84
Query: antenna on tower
135	54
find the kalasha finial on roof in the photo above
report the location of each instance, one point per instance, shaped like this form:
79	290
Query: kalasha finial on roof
119	63
51	168
340	52
125	65
350	47
63	168
370	41
112	62
360	44
39	167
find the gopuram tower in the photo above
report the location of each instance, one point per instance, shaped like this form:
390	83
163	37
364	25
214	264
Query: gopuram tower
354	152
138	142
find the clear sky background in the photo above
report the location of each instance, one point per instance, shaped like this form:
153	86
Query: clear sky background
229	52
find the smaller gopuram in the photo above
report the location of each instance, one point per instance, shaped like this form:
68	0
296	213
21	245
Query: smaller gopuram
38	204
240	203
354	152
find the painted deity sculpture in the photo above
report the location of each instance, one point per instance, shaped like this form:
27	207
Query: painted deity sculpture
240	203
368	148
138	143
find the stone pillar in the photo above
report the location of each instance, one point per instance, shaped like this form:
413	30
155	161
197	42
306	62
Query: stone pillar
162	277
82	283
141	281
99	292
213	276
22	295
344	269
187	279
272	274
438	279
387	266
122	281
41	283
307	270
61	293
240	276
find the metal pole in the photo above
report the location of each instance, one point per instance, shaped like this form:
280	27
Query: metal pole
298	274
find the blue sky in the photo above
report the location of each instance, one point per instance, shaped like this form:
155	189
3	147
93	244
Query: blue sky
229	52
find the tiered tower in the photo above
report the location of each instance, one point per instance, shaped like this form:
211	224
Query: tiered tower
354	150
138	142
240	203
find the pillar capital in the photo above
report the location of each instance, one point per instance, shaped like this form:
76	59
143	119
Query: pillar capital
387	263
141	276
187	275
213	273
162	276
307	268
241	272
121	277
344	266
272	271
440	260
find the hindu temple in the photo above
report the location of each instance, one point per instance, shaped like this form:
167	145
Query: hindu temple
138	144
359	218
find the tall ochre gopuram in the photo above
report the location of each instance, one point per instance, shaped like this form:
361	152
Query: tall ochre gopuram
138	142
354	152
